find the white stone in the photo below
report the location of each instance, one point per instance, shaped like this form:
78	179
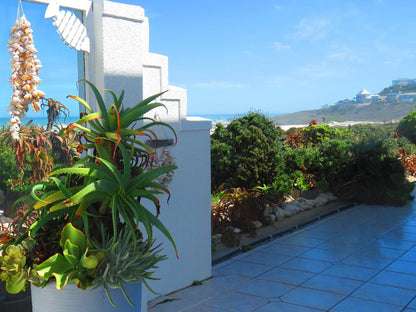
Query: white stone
257	224
280	214
331	197
270	218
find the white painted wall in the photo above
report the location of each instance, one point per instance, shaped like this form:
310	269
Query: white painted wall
120	59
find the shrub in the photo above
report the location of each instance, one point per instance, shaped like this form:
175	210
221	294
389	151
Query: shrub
332	163
243	154
374	177
407	126
8	166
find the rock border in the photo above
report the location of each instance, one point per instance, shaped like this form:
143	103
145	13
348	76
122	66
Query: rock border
293	215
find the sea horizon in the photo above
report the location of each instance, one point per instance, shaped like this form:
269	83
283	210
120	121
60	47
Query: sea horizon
43	120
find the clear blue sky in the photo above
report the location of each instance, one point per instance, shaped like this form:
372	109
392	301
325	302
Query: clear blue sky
277	56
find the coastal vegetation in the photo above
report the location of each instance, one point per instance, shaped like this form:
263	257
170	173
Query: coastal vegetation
256	164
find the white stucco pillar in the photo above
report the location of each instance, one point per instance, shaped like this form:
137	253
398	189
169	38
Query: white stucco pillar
115	61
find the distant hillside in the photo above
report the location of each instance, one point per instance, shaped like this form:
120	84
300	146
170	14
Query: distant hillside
369	112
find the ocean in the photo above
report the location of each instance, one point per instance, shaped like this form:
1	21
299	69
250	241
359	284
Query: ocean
42	121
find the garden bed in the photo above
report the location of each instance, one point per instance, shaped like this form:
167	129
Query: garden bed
279	228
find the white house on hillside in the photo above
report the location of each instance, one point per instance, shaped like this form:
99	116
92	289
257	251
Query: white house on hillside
363	96
403	82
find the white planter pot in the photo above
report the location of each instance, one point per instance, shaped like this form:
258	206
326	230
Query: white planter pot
71	298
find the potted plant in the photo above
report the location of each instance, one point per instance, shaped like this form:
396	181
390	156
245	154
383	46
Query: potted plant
93	229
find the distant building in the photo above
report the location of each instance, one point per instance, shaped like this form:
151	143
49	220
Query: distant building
363	96
403	82
407	97
375	98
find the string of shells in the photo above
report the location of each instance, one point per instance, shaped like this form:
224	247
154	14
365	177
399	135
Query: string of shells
24	79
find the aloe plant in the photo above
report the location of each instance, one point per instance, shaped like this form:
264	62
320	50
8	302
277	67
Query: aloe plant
104	131
105	195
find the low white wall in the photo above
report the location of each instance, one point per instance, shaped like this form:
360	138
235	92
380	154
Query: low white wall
188	214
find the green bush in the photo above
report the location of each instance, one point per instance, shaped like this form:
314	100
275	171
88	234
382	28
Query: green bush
374	177
8	167
243	154
332	164
407	126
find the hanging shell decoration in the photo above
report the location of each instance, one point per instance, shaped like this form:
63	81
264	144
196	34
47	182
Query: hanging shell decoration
24	79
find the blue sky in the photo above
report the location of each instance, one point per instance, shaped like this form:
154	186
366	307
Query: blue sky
275	56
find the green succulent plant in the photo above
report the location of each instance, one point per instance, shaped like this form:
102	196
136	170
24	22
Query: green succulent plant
16	271
74	264
125	262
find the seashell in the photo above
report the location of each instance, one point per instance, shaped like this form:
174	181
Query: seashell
26	87
36	106
28	96
28	66
40	93
15	119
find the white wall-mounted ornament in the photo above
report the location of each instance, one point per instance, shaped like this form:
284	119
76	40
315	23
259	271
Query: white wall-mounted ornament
72	30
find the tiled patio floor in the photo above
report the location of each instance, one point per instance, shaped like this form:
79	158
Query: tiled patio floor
362	259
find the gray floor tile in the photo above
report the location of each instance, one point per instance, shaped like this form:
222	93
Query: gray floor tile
400	235
355	238
322	234
287	276
351	304
202	308
302	240
351	272
395	279
408	228
383	293
236	302
312	298
326	255
199	293
245	268
285	307
368	261
263	288
409	256
172	304
266	258
228	281
333	284
394	243
412	304
402	267
383	252
309	265
344	246
282	249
